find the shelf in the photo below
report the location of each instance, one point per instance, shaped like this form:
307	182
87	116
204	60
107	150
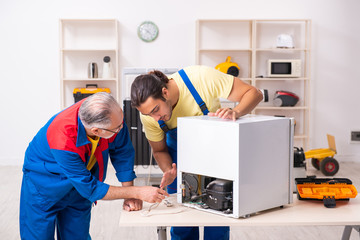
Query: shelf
88	50
69	87
281	20
77	21
281	108
85	41
88	34
75	63
212	35
267	31
282	50
300	136
282	79
225	50
213	58
90	79
224	20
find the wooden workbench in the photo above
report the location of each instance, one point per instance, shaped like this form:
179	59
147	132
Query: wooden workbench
299	213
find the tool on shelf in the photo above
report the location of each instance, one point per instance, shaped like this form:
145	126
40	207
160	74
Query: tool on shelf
81	93
229	67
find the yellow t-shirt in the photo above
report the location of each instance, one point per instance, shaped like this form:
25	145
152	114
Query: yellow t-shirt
211	85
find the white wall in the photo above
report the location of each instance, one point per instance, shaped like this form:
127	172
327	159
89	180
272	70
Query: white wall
29	56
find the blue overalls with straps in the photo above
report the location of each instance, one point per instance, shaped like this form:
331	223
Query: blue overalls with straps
189	233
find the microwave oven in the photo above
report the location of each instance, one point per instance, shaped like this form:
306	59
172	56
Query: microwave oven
284	67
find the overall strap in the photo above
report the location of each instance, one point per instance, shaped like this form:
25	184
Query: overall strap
163	126
193	92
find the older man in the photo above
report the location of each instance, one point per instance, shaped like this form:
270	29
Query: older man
65	166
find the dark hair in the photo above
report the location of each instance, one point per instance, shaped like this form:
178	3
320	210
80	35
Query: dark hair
148	85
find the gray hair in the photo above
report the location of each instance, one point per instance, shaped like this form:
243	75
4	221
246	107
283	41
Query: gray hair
96	110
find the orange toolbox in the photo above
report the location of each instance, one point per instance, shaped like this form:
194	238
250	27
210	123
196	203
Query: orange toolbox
81	93
326	189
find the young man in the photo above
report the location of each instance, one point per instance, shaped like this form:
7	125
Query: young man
192	91
65	166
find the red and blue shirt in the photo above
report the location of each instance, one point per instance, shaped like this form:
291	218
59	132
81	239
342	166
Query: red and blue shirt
57	157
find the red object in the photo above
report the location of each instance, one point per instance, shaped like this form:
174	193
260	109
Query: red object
288	94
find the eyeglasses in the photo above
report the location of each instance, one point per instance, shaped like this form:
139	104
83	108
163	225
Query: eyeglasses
116	129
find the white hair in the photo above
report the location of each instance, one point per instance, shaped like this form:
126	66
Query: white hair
96	110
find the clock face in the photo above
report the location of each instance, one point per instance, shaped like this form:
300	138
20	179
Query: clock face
148	31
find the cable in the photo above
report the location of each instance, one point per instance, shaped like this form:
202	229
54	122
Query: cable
171	208
150	161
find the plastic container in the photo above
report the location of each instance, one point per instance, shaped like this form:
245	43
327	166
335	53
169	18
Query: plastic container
81	93
326	189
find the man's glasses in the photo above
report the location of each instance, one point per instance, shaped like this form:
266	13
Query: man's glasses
116	130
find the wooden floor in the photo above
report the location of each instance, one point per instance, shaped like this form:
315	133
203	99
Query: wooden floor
105	216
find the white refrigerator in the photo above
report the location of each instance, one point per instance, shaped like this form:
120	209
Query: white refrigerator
254	153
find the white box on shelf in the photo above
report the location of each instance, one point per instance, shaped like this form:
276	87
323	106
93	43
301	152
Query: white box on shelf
254	152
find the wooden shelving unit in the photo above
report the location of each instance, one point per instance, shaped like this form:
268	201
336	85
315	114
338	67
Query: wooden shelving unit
250	43
83	41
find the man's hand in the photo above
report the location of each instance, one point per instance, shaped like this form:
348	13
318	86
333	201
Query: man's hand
132	204
168	176
152	194
225	113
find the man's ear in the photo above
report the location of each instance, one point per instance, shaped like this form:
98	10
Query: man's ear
165	92
95	131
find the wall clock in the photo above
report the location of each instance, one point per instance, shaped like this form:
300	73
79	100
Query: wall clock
148	31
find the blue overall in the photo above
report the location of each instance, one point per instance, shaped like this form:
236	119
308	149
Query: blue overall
57	188
189	233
